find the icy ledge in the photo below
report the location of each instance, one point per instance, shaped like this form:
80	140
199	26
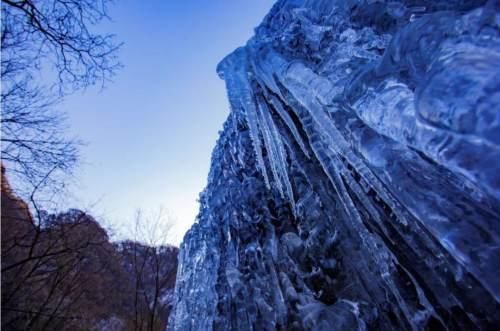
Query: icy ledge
356	183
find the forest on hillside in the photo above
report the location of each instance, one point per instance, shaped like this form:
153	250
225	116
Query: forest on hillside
62	272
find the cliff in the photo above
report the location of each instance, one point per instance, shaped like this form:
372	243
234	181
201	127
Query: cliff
356	183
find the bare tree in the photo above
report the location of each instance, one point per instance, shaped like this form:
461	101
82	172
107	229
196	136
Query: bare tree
61	272
44	280
48	50
153	266
45	265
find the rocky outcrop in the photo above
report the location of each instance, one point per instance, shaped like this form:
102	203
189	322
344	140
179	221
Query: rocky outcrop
356	183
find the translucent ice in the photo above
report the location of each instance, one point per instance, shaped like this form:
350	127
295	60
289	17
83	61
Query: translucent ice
356	183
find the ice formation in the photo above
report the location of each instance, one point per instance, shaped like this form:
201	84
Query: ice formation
356	183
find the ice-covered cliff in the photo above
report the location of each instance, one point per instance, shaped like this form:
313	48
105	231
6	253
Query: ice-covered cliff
356	183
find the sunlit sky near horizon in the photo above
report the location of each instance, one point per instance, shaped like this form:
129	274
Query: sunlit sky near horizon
149	134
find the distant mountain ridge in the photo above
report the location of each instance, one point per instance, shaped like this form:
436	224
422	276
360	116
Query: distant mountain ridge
65	274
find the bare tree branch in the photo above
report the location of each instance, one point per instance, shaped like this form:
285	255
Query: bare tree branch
49	49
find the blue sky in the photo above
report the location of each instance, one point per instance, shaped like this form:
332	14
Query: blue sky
149	135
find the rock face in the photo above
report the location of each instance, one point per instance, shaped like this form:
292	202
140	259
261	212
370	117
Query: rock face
356	183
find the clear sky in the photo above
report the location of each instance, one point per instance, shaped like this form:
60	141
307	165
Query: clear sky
150	134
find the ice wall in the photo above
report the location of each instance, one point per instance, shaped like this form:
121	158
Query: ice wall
356	183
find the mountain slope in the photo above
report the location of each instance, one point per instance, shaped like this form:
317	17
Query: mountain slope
62	272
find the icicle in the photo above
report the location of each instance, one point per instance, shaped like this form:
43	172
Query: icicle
264	63
241	99
289	122
280	148
253	124
270	146
337	142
